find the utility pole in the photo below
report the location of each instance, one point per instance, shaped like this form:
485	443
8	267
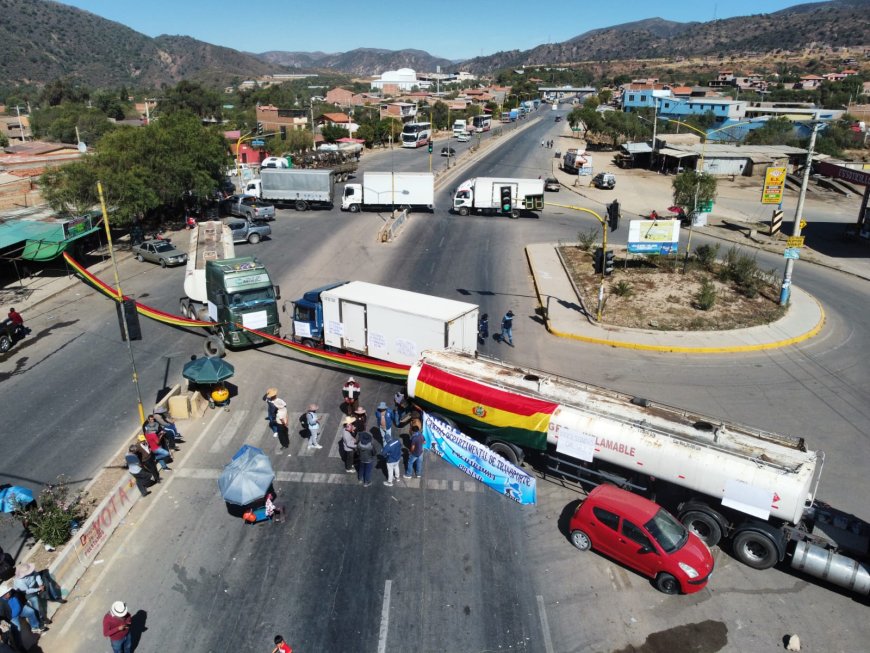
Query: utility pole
796	229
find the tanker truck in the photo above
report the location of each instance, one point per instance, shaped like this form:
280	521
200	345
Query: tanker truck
722	480
227	290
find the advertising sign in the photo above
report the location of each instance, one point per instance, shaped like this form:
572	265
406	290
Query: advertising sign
774	183
792	253
653	236
478	461
794	241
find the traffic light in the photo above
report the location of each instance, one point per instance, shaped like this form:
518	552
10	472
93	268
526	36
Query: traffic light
613	215
506	199
283	132
608	263
259	129
597	259
430	147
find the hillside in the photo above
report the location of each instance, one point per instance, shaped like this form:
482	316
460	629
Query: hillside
362	61
42	40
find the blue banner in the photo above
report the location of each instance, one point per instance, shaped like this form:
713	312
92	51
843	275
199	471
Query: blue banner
478	461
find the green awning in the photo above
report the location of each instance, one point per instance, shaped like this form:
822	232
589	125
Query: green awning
43	250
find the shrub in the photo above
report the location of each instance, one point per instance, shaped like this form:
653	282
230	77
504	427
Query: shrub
706	296
586	239
50	518
622	289
706	256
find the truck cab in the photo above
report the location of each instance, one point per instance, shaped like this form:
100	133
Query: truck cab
308	316
352	198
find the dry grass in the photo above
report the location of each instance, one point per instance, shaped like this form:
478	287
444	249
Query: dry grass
665	300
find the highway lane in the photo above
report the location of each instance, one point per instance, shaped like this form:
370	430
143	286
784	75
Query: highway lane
324	577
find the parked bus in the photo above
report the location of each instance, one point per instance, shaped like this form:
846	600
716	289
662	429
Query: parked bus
481	123
415	134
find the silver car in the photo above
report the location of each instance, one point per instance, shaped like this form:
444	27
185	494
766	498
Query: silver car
159	251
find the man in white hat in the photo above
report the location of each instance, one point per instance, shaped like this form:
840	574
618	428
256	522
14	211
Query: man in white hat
12	609
312	421
116	626
36	592
350	393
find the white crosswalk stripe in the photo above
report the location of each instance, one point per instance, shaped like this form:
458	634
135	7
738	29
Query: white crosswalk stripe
304	449
230	429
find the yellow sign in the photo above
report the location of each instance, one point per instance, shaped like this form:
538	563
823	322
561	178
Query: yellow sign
795	241
803	224
774	183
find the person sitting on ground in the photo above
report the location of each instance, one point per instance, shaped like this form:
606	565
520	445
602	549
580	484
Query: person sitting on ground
167	423
274	511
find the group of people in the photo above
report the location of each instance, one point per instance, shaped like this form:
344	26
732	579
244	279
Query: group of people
547	144
25	597
507	328
152	448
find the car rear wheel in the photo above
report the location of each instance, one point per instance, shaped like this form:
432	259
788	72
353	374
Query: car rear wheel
667	584
140	258
5	344
254	239
581	540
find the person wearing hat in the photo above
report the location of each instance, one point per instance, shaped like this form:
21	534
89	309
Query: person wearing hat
348	442
361	419
283	422
13	608
385	419
350	392
312	420
146	458
366	450
134	466
170	428
271	410
116	626
507	328
36	592
392	455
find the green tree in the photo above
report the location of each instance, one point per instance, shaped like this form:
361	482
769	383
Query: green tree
692	189
333	132
439	115
70	189
59	91
776	131
191	97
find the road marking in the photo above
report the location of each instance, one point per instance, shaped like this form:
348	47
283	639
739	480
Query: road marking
545	625
385	618
230	430
333	449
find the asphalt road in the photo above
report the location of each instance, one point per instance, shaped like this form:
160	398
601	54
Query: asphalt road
445	566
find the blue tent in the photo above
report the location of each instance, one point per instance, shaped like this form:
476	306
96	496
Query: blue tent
14	497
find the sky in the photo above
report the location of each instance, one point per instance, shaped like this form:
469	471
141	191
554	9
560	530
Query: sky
451	29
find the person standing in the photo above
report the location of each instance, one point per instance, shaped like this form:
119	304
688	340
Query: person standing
385	419
134	466
271	410
366	450
348	443
36	591
116	626
283	422
415	453
312	420
361	418
483	328
507	328
399	402
392	455
350	392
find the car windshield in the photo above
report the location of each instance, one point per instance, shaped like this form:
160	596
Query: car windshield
163	247
667	531
252	296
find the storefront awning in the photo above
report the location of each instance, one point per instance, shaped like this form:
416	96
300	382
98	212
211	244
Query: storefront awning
677	154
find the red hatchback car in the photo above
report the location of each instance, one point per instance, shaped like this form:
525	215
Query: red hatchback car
644	536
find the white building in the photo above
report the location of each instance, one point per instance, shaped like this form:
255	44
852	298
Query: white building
403	79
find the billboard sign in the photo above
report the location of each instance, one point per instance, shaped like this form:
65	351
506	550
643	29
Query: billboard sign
653	236
774	183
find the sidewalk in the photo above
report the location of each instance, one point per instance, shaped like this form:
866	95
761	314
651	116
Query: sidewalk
567	318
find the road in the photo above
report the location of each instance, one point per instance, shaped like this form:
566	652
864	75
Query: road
441	565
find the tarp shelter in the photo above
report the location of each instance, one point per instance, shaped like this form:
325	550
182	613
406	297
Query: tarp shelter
38	234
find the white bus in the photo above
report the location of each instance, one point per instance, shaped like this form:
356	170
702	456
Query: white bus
482	123
415	134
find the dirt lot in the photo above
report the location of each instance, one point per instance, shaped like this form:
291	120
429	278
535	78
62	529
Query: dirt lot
663	299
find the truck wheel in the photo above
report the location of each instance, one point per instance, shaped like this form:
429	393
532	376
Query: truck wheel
214	346
515	213
140	258
704	525
667	584
5	344
581	540
354	208
507	452
254	239
183	308
163	263
308	342
755	549
463	210
301	205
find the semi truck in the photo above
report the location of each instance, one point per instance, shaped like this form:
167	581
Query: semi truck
302	189
488	195
227	290
381	322
722	480
388	190
460	126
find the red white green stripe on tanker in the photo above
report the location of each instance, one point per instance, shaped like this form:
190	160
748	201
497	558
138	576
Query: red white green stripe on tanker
514	418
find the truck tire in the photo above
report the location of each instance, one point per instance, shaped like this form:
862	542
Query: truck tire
463	210
755	549
308	342
254	239
667	584
507	452
581	540
702	524
5	344
515	213
183	307
301	205
140	258
214	346
354	208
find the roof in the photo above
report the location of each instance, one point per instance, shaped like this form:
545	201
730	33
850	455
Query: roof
336	117
627	504
677	154
410	302
637	148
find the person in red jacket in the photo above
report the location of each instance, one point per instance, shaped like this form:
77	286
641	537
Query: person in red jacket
281	646
116	626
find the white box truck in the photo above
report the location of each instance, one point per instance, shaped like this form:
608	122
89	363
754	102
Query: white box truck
490	195
460	127
390	190
384	323
301	189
